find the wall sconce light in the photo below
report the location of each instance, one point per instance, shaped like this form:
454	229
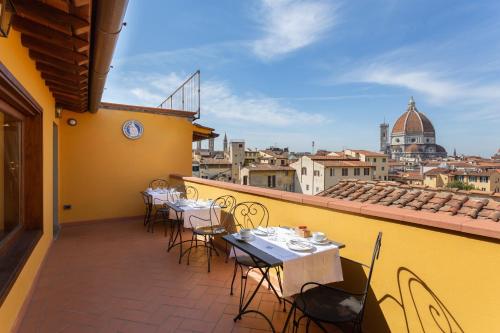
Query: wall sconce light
72	122
6	13
58	111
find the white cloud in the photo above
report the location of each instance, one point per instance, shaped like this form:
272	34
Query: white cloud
289	25
218	101
439	88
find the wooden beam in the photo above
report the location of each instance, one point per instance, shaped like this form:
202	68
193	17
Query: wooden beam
58	73
49	35
69	92
49	77
50	15
69	99
54	51
58	85
54	62
71	96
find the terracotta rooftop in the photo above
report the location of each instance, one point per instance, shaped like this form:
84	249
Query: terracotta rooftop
268	167
469	204
146	109
215	161
368	152
332	157
344	163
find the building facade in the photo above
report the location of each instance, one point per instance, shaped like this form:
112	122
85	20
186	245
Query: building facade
316	173
269	176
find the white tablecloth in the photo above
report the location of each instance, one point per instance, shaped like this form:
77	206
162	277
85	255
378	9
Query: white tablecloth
321	266
199	209
161	196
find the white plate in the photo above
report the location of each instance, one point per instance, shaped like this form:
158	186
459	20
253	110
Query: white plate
299	246
247	239
323	242
260	232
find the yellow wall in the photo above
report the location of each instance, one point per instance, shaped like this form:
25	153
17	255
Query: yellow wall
102	171
460	271
16	59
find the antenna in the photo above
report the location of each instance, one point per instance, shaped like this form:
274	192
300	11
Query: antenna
313	147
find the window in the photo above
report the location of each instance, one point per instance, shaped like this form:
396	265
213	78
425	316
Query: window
483	179
240	145
385	177
345	172
472	178
271	181
10	166
374	160
282	162
316	173
384	160
460	178
307	187
357	171
245	180
21	174
273	162
383	168
366	171
196	168
332	172
413	140
304	171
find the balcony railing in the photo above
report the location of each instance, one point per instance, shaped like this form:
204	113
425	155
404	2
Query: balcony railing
186	97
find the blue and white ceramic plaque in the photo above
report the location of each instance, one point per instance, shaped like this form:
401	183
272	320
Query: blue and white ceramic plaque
132	129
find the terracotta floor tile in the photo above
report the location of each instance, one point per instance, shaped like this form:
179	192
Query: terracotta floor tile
116	277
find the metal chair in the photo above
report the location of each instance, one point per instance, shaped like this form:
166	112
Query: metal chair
162	212
323	304
250	215
216	227
158	183
187	192
148	203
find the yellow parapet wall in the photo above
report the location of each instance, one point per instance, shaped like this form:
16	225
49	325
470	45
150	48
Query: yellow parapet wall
426	280
16	59
103	171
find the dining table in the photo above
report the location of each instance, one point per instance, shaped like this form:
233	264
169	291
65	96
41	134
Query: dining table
181	211
301	259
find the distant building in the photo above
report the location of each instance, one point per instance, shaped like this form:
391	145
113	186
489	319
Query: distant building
380	160
315	173
482	180
237	158
496	157
269	176
413	137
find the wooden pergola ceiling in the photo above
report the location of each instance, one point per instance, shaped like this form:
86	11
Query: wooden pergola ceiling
57	34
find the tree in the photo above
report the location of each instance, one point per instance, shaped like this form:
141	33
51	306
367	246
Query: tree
460	185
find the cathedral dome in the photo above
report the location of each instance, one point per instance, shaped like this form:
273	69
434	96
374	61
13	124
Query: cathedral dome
413	122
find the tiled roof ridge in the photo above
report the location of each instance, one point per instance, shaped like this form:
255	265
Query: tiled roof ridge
472	204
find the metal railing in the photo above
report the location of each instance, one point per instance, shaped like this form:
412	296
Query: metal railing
186	97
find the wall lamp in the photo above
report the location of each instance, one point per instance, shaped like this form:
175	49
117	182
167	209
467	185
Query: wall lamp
72	122
6	13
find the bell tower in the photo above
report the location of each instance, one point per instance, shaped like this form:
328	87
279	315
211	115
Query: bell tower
384	137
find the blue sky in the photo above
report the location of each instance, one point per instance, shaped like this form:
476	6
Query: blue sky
289	72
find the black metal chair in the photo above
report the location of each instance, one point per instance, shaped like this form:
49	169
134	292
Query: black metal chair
148	203
162	212
323	304
187	192
217	225
250	215
158	183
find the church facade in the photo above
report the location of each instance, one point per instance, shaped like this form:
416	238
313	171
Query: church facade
412	138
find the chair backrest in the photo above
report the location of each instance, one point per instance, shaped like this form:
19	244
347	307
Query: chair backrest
188	192
250	215
148	199
376	252
158	183
226	204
